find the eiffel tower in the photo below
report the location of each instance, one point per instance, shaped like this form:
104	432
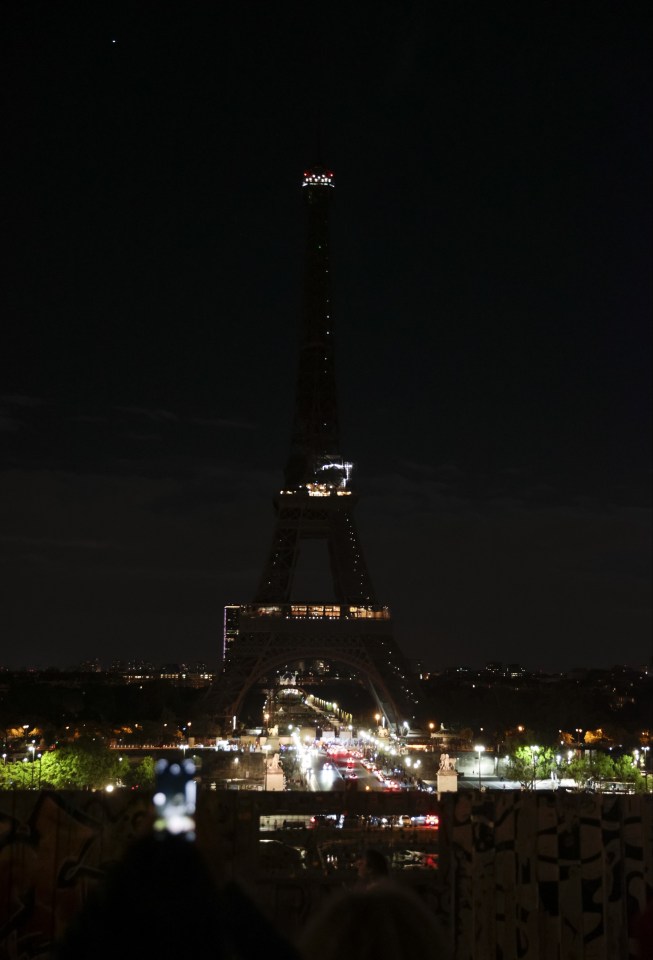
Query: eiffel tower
316	502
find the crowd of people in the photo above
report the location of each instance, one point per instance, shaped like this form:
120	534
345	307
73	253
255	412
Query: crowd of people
163	900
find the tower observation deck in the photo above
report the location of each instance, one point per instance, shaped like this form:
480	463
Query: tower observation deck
317	502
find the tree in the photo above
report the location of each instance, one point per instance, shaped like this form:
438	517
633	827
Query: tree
602	767
528	765
97	764
141	774
590	770
626	771
16	775
520	767
50	770
595	736
85	764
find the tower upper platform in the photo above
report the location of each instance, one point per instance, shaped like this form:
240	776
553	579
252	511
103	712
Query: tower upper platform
318	176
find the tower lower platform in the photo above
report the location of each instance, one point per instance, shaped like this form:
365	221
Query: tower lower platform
272	635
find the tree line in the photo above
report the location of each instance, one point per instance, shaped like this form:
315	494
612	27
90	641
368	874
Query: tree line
589	770
86	764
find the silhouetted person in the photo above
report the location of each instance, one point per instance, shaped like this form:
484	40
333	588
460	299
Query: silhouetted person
161	902
382	922
372	868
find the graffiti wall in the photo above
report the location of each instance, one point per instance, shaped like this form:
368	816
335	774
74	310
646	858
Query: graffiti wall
53	849
549	876
519	877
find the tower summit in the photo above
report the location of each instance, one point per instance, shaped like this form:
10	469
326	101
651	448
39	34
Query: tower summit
315	431
316	503
317	498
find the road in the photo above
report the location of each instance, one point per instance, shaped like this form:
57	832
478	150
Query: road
334	773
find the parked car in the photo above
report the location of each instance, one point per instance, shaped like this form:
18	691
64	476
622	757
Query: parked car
323	820
378	822
352	822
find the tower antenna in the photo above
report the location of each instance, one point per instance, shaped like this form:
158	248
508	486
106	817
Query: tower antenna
318	135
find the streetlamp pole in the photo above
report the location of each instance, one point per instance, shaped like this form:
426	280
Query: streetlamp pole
534	755
479	750
645	751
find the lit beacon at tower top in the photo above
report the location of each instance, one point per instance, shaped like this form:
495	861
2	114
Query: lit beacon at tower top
318	176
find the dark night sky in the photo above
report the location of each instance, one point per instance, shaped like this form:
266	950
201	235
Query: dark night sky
491	251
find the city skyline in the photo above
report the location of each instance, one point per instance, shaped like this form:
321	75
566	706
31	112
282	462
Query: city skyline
491	248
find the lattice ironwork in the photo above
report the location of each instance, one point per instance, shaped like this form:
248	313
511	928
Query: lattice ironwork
317	502
265	646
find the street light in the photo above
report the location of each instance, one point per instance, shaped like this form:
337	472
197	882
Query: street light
32	748
266	748
479	750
